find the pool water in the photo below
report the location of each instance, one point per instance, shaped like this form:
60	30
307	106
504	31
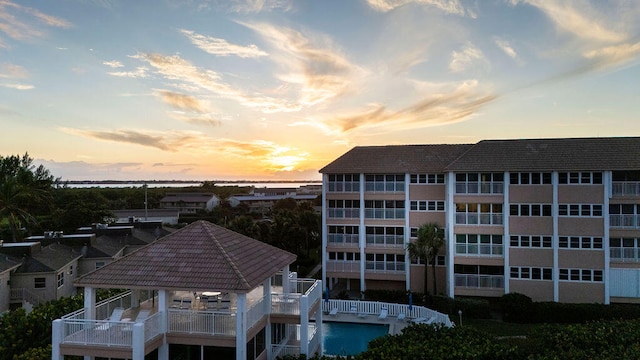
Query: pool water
349	338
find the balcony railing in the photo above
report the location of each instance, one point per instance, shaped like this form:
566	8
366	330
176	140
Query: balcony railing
480	249
346	213
629	221
464	218
383	213
374	308
385	240
626	188
201	322
343	266
385	267
480	281
625	254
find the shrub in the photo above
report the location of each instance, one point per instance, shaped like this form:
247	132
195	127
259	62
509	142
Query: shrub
517	308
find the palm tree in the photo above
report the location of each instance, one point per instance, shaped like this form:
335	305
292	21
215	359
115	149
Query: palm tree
430	241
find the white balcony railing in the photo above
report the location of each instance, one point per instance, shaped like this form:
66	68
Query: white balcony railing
628	221
480	281
626	188
374	308
343	266
201	322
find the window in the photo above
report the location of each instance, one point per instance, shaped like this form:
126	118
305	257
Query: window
427	178
483	244
385	235
344	183
71	270
479	214
479	183
581	210
339	234
385	262
39	283
580	178
384	183
580	275
440	260
479	276
530	241
530	209
624	249
529	178
531	273
99	264
60	279
580	242
343	209
420	205
344	256
384	209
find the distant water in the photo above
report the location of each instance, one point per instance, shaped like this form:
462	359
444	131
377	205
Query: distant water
186	184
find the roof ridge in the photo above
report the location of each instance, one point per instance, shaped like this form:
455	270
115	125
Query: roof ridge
226	256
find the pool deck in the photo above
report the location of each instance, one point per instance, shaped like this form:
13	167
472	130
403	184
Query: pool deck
395	325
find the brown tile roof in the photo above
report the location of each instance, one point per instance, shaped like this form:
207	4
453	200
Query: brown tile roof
570	154
200	256
396	159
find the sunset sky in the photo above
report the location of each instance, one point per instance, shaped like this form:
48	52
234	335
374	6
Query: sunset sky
276	89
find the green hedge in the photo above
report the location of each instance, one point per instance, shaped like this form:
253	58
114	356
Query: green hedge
520	308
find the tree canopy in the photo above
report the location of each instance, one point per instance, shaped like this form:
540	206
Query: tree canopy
426	247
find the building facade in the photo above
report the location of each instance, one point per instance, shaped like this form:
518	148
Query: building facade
555	219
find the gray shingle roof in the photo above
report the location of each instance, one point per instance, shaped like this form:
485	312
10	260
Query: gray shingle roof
200	256
560	154
396	159
570	154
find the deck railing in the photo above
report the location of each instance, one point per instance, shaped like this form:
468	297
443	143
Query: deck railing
201	322
255	312
626	188
374	308
23	294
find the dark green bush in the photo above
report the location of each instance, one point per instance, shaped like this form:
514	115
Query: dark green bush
517	308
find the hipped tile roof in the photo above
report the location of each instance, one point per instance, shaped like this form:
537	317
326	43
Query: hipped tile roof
396	159
559	154
200	256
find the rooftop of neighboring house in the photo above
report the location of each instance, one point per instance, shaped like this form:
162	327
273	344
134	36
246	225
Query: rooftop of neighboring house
188	197
8	263
273	197
199	256
570	154
48	259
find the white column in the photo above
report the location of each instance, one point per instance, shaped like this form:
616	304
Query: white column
407	232
241	327
285	280
325	188
304	325
319	329
163	306
607	180
506	241
135	298
89	303
266	291
57	335
137	341
361	237
450	226
555	178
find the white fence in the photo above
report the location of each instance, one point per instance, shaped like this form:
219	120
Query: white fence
367	308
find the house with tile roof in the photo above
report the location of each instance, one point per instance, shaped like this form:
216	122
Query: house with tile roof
213	291
555	219
189	203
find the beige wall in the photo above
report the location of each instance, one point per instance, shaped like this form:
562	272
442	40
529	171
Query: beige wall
417	279
534	194
417	218
580	226
580	194
531	225
581	292
581	259
531	257
384	285
479	260
478	292
427	192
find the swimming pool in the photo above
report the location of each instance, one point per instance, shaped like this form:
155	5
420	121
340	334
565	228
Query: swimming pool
349	338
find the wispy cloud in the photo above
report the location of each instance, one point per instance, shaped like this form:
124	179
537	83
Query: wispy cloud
256	6
506	48
221	47
139	72
113	64
447	6
176	69
197	119
314	64
465	58
267	155
181	101
21	23
16	86
13	71
456	105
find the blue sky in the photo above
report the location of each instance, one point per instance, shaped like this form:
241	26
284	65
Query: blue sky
270	90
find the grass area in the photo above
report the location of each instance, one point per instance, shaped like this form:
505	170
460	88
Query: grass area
500	328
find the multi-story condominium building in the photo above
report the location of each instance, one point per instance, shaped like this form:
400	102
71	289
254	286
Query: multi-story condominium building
555	219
